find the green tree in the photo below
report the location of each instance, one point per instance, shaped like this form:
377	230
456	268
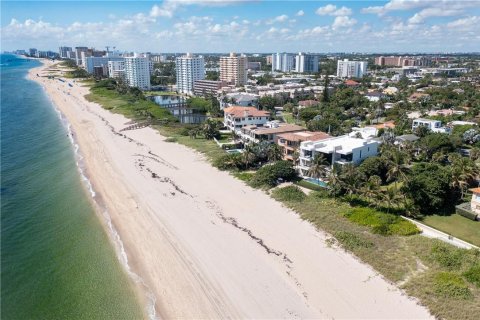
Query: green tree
274	152
429	188
210	129
318	167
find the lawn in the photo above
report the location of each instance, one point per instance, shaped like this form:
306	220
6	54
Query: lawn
457	226
290	119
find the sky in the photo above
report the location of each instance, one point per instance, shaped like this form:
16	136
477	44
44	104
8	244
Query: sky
255	26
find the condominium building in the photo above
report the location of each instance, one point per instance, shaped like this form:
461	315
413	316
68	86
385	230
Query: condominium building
400	61
284	62
116	69
137	71
340	150
78	54
32	52
64	52
305	62
351	69
233	69
91	62
189	69
202	87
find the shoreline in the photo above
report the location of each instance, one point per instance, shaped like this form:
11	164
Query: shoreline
143	293
187	231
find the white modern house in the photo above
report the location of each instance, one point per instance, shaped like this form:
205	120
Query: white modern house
351	69
189	69
336	150
433	125
236	117
137	71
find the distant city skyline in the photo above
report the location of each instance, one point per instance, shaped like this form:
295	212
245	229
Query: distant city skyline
244	26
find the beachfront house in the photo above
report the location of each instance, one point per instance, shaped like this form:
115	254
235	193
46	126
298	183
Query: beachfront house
237	117
267	132
336	150
290	142
432	125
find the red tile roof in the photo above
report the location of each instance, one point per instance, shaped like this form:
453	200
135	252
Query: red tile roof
248	111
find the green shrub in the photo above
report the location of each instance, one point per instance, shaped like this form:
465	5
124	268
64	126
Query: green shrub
381	223
244	176
450	285
289	193
473	275
228	161
268	175
171	139
447	256
352	241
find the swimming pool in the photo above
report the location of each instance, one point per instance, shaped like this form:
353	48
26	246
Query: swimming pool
320	183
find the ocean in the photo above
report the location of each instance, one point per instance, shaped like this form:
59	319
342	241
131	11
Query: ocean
56	259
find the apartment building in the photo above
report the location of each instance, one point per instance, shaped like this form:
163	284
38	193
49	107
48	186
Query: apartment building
116	69
336	150
284	62
233	69
32	52
137	71
400	61
202	87
189	69
351	69
305	62
63	52
91	62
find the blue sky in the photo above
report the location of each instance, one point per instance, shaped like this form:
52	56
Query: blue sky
244	26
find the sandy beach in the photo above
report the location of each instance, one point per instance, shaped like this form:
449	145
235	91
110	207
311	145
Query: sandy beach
205	244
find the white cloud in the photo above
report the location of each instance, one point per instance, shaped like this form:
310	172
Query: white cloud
428	8
168	7
465	23
300	13
343	22
279	19
332	10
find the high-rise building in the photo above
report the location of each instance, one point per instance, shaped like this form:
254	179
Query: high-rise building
189	70
399	61
233	69
284	62
32	52
137	71
116	69
91	62
64	52
78	54
351	69
305	62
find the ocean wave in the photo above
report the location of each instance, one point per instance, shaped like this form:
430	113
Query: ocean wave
119	247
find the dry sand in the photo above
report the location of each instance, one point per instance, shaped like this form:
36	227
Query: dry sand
206	245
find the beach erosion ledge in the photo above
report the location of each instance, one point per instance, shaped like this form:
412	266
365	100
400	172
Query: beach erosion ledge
189	232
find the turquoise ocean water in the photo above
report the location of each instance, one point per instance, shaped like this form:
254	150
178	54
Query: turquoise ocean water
56	259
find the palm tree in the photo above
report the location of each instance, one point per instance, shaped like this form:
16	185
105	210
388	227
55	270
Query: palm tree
318	167
193	133
390	196
295	157
463	172
210	129
395	160
371	189
334	181
248	155
350	178
274	152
